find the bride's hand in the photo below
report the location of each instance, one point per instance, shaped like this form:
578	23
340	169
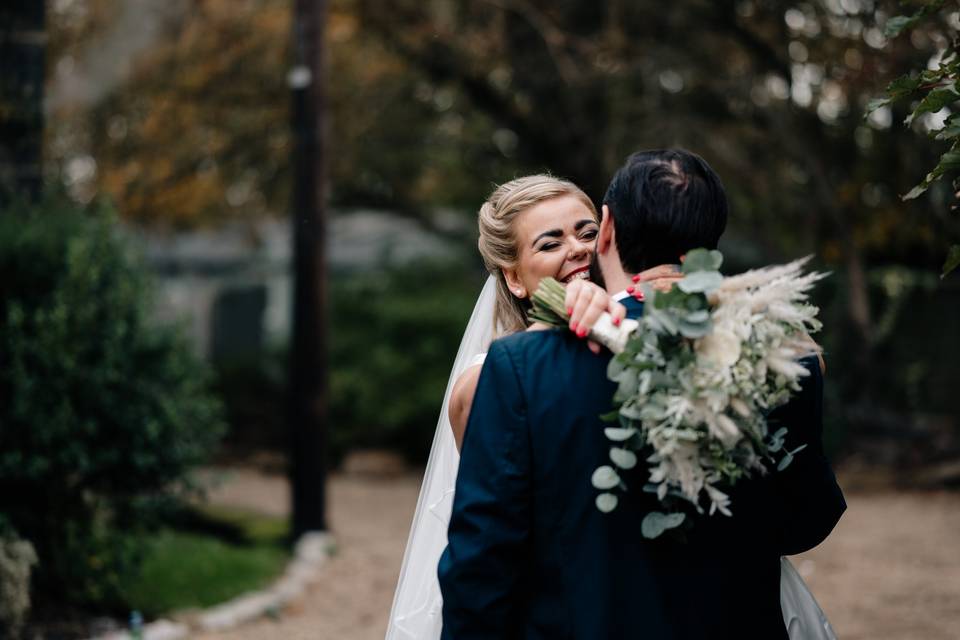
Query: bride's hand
586	302
662	277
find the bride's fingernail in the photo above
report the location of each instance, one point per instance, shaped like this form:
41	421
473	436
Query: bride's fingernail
616	322
573	326
631	289
636	278
581	333
569	310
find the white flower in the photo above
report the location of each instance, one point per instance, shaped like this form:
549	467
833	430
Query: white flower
720	347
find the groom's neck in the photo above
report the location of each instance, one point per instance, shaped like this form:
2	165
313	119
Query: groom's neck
615	279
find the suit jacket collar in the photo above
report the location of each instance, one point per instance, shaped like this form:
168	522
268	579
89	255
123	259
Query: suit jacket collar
634	307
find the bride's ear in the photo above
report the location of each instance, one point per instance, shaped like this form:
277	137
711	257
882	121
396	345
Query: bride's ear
512	276
606	234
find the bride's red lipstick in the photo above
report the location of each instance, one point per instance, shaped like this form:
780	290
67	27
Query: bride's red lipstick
574	272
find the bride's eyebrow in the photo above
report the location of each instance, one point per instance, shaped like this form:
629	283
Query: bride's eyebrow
557	233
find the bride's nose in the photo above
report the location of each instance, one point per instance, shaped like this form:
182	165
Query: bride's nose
577	249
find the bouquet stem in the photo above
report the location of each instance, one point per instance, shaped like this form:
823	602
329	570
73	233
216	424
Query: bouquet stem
549	308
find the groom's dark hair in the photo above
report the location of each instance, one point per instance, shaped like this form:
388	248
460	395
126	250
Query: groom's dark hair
664	203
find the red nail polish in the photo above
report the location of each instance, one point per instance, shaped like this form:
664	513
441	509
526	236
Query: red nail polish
581	333
616	322
569	310
573	326
631	289
639	296
636	278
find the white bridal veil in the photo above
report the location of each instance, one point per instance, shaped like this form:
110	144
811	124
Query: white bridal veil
415	614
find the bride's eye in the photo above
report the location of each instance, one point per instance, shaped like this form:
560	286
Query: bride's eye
589	234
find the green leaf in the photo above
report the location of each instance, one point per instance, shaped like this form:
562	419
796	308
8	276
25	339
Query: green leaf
950	161
917	191
934	101
785	462
702	260
903	86
694	330
701	282
607	502
605	478
952	261
875	104
952	130
655	523
897	24
623	458
619	435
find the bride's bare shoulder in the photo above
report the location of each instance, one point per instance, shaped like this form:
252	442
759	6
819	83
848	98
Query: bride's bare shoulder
461	398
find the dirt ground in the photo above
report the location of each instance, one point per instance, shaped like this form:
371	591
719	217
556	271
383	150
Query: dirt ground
890	571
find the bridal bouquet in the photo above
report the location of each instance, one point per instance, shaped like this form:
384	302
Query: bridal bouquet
697	374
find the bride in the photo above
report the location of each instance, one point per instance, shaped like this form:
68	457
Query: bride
530	228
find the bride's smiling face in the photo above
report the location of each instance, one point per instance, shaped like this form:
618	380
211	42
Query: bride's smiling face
554	238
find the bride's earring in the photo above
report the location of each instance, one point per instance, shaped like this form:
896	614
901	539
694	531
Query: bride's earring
520	292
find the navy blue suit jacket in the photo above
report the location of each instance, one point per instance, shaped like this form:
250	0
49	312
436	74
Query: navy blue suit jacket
530	556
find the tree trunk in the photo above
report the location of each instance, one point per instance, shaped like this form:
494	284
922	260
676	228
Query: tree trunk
308	373
22	47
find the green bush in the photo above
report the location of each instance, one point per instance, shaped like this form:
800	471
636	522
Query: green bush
102	414
393	339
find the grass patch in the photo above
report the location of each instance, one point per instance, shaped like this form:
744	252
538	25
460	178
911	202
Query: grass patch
188	569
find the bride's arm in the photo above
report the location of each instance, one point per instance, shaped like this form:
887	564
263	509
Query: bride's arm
461	399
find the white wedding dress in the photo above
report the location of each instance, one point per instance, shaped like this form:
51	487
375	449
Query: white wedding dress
417	604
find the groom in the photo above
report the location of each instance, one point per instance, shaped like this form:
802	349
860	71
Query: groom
529	554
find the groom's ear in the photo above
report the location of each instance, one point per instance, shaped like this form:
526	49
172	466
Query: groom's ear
605	237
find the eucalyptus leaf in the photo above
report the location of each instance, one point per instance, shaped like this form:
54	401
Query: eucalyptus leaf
701	282
785	462
631	411
605	478
619	435
607	502
656	522
623	458
694	330
702	260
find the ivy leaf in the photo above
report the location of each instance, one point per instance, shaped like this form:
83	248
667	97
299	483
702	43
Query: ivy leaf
655	523
953	260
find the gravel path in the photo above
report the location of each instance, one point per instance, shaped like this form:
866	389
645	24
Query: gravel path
890	571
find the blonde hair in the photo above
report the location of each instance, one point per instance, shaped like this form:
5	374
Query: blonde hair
498	242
